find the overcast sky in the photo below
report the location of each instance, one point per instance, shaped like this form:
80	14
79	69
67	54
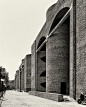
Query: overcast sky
20	23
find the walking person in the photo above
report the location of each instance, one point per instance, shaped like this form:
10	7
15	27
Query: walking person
82	97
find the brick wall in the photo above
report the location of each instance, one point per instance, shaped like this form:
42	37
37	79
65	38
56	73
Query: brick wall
53	49
81	46
27	73
57	57
33	67
50	16
17	80
21	76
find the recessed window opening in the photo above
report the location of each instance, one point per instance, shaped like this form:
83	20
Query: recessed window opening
43	84
43	59
43	48
58	18
43	74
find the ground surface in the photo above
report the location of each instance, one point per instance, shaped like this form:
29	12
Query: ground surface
22	99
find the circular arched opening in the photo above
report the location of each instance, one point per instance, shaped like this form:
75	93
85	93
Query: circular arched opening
58	17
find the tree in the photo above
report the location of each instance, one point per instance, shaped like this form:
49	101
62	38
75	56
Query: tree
0	78
4	75
0	73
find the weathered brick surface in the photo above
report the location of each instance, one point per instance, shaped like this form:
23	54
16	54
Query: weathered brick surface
33	67
77	50
81	46
57	56
22	75
50	16
73	50
27	73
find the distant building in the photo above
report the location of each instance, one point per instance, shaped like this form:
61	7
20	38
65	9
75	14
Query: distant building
11	84
21	76
25	74
17	80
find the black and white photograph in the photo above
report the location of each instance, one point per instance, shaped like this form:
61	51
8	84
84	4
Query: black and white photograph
42	53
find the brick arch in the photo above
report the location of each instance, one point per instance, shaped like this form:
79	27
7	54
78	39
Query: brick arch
58	17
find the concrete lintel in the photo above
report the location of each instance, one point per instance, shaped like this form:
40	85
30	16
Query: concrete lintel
61	21
41	46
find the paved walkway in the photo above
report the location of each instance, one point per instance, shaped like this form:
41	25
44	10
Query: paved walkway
22	99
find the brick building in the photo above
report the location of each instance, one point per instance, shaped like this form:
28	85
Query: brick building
17	80
25	74
58	63
21	76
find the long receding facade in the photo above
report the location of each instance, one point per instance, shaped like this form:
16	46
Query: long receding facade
58	60
17	80
23	75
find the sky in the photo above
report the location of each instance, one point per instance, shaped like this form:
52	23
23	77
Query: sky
20	23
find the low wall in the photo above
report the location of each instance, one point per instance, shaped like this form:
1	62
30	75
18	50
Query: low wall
51	96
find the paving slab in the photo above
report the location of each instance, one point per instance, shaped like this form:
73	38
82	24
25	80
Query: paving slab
22	99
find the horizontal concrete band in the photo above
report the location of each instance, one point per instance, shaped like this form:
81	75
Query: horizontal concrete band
51	96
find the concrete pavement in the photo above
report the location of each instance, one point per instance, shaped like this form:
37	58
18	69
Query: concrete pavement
22	99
